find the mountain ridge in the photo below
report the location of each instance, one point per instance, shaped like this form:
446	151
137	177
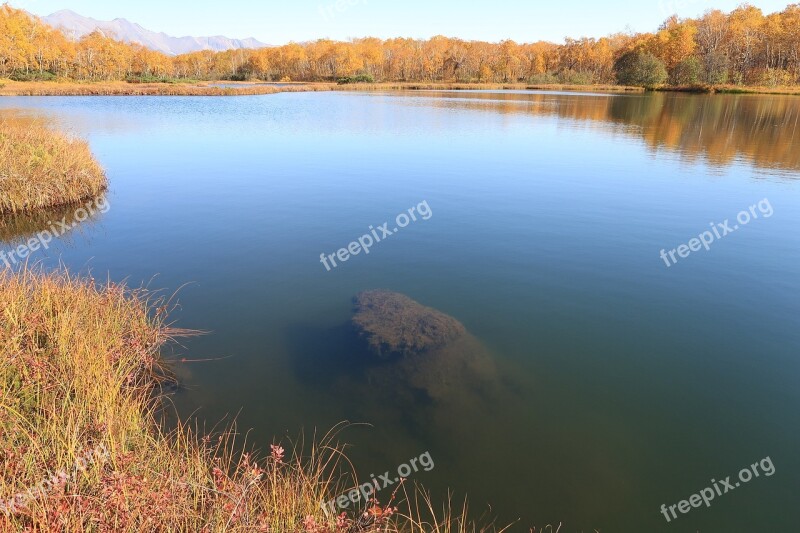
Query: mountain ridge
76	26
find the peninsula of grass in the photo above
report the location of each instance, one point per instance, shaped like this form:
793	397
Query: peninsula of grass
83	445
43	168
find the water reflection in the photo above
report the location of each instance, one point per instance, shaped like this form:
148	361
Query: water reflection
719	129
617	379
62	223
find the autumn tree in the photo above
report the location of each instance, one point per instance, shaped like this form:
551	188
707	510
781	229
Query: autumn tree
687	72
640	69
712	32
257	64
745	36
744	46
674	42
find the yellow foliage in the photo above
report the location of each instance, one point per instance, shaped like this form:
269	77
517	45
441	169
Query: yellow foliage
738	46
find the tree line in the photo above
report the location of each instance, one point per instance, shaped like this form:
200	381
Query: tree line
744	46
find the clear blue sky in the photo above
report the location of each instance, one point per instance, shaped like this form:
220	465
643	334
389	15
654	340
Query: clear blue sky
281	21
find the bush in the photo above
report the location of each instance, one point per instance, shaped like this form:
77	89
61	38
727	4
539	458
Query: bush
640	69
775	77
548	78
717	68
361	78
158	79
575	77
687	72
146	79
33	76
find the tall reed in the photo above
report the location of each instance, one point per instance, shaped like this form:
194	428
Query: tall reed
81	371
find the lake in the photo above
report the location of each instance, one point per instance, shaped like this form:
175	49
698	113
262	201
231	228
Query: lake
620	383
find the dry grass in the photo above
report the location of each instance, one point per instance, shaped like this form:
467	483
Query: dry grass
11	88
80	370
738	89
40	167
732	89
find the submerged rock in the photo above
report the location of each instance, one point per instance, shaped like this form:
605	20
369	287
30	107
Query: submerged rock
421	354
394	325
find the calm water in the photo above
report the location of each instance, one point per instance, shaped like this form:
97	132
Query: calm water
622	384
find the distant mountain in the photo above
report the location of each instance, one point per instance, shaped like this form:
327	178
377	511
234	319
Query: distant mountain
76	26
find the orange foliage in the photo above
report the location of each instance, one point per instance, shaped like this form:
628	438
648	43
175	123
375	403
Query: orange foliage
744	46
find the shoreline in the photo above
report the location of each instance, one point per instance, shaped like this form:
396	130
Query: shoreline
83	367
255	88
12	88
732	89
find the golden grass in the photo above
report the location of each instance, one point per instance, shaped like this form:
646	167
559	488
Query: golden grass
80	370
68	88
40	167
739	89
733	89
11	88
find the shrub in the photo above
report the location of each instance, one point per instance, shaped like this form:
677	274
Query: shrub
640	69
717	68
775	77
548	78
33	76
361	78
575	77
687	72
158	79
149	79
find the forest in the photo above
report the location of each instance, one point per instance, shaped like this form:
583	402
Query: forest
743	47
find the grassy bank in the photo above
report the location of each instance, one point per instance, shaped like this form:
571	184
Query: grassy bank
121	88
81	375
731	89
12	88
40	167
79	370
45	88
